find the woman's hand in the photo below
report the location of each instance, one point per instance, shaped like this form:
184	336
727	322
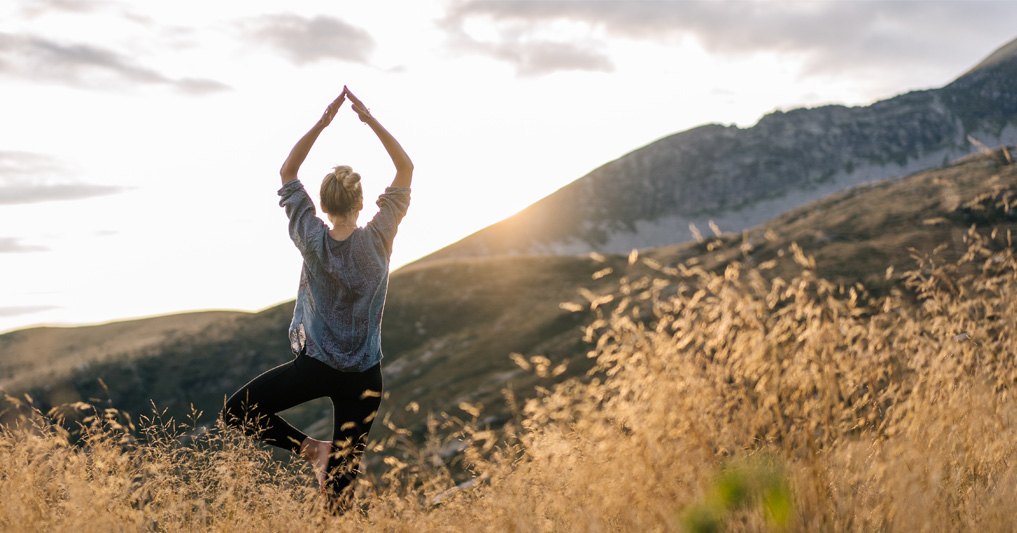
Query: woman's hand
332	109
404	167
362	111
299	152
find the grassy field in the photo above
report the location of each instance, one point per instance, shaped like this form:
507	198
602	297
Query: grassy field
732	400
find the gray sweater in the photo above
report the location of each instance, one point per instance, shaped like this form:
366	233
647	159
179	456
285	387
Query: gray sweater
341	298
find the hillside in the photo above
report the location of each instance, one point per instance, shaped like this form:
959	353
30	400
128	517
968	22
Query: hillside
451	325
739	178
52	353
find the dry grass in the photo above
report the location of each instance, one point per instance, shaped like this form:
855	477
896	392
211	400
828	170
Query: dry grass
732	401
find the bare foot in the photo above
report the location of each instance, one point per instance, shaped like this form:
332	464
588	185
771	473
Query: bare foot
317	452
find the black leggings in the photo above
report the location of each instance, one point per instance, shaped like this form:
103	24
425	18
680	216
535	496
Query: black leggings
355	399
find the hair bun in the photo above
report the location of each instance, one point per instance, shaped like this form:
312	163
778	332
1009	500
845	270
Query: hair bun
348	179
351	180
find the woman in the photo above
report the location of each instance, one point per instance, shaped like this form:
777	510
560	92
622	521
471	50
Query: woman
336	329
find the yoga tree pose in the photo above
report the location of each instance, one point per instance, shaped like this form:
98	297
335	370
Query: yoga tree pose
335	334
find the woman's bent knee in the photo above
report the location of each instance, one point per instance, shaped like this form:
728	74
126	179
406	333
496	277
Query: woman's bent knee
234	411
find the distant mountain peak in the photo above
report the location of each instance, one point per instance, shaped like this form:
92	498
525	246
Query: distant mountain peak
1003	54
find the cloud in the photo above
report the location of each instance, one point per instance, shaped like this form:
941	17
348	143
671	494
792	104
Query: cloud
538	58
200	86
13	245
306	40
17	310
35	8
828	35
544	57
41	59
32	178
26	164
520	41
28	193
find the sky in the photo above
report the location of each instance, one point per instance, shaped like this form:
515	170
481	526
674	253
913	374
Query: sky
140	142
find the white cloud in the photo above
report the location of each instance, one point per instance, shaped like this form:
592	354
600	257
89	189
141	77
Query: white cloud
36	8
32	178
41	59
537	58
17	310
528	42
14	245
829	35
306	40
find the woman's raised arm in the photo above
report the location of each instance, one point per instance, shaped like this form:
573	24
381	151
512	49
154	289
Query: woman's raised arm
299	152
404	167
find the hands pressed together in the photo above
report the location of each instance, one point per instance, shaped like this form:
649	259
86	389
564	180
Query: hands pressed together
404	167
362	111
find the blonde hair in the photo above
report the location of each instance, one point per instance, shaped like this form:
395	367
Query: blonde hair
341	193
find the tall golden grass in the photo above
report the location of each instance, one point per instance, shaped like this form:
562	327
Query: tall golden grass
720	401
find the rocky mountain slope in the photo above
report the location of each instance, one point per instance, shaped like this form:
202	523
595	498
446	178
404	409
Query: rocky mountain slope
739	178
